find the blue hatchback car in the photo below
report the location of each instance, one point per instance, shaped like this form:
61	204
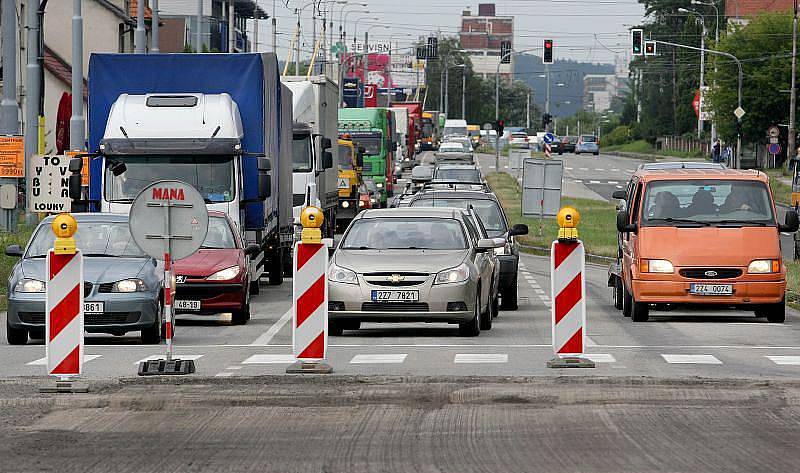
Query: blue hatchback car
587	144
121	285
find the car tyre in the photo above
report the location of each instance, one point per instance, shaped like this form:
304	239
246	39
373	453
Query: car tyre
335	328
276	268
36	333
255	287
627	300
16	336
241	316
597	153
473	327
617	293
350	324
508	296
495	306
152	334
775	313
640	311
486	317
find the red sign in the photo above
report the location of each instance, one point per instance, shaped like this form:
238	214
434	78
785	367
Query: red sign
696	103
370	95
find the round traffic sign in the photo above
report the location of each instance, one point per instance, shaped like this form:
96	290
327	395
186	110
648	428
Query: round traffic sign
774	131
549	138
774	148
488	126
169	217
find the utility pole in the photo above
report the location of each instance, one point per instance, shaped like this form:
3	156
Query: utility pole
140	35
199	39
791	153
464	92
33	82
274	29
446	87
9	108
528	113
77	122
255	34
297	47
154	26
365	60
231	28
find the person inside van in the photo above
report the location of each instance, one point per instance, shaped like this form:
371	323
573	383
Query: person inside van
702	204
666	206
740	198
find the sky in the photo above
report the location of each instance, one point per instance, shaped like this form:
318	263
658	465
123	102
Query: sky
583	30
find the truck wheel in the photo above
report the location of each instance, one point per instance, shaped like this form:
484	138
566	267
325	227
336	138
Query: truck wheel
775	313
276	268
335	328
508	296
618	296
16	336
627	300
640	311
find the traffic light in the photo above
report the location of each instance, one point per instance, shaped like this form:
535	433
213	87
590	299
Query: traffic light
548	52
499	127
505	52
649	48
546	120
433	47
637	37
421	53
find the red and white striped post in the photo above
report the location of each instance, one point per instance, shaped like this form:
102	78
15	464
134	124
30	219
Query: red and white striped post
548	150
169	315
568	289
310	291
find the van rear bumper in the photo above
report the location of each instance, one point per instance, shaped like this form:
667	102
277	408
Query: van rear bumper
677	292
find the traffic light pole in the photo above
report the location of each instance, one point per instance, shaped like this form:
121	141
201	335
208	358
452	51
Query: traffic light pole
739	93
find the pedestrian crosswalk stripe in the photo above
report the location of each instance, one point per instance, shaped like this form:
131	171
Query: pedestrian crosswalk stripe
160	357
600	357
481	358
692	359
223	375
784	359
270	359
379	358
43	361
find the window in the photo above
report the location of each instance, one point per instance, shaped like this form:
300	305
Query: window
396	233
93	238
301	153
219	234
487	210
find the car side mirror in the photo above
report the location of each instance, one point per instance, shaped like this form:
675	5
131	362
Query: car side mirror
485	244
14	250
619	195
360	157
622	222
792	222
518	229
327	159
252	250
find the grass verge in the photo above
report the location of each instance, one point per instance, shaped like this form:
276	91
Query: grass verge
20	237
643	147
596	228
781	192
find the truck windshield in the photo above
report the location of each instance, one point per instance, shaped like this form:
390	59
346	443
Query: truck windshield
371	144
301	153
456	130
212	176
345	157
707	202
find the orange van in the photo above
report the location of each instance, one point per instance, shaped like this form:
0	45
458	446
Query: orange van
700	236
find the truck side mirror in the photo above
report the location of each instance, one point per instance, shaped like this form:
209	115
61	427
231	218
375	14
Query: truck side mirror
326	143
327	159
75	182
622	222
360	157
792	222
75	165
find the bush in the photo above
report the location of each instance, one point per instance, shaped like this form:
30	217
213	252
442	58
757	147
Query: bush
620	135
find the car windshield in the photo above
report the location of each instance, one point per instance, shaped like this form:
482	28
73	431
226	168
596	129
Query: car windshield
488	211
707	202
451	148
458	175
398	233
588	138
371	144
301	153
456	130
92	238
212	176
219	234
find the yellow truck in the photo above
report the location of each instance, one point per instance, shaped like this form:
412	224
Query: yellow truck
349	183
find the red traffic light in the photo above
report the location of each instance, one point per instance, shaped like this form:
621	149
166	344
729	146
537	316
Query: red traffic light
548	43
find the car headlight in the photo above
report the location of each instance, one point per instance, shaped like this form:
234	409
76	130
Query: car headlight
29	285
407	159
342	275
224	274
129	285
458	274
373	199
345	204
763	266
379	185
656	266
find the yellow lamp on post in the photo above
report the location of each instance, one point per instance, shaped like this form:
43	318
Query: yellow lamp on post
64	227
568	219
311	218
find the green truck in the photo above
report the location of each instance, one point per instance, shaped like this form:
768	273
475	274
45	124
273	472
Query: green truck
373	129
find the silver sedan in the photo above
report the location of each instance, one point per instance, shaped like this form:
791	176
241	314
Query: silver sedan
413	265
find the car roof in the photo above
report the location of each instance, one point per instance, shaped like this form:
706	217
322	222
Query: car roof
432	194
681	165
92	217
413	212
676	174
456	166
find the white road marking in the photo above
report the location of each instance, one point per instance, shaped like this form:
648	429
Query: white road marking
630	170
223	375
584	169
578	180
590	342
481	358
43	361
784	359
265	359
568	169
594	182
234	367
174	355
613	182
599	169
692	359
600	357
267	336
615	170
538	291
619	187
379	358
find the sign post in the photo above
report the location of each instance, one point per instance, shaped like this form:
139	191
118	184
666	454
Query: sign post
183	217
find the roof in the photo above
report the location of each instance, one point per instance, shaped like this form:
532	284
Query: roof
416	212
675	174
57	66
432	194
456	165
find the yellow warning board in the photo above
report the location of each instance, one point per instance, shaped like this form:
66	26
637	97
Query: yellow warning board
12	156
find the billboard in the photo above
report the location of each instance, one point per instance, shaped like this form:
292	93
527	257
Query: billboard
407	72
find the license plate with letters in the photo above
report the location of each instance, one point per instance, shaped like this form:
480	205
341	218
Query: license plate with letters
395	296
93	307
187	305
711	289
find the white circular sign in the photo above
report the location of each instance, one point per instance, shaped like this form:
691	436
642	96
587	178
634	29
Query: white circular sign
169	217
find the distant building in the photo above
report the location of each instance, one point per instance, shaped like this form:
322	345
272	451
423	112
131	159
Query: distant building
179	25
482	36
740	11
598	91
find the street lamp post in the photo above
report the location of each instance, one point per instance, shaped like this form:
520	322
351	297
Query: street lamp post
716	41
497	103
702	66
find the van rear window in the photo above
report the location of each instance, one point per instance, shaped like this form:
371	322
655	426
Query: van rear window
707	202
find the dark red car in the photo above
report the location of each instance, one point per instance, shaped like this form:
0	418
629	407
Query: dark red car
215	279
